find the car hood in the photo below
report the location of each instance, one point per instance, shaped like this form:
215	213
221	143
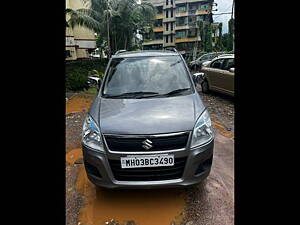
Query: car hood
147	116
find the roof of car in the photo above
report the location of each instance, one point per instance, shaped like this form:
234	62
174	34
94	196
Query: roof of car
145	53
225	56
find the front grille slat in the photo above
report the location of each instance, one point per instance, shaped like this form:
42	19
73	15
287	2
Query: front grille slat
130	144
148	173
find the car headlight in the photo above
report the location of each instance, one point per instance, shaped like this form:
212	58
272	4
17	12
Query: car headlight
91	135
203	131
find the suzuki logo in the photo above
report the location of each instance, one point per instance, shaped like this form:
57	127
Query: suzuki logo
147	144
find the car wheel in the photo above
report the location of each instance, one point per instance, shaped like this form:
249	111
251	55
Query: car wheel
205	86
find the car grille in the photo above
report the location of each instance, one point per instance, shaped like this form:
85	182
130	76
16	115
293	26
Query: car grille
148	173
135	144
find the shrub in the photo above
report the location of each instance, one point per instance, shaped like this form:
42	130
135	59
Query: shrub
78	71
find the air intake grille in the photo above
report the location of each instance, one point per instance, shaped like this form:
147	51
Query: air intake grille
135	144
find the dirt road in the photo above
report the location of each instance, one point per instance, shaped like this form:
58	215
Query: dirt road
211	202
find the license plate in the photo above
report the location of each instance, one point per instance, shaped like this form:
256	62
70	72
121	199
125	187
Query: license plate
147	161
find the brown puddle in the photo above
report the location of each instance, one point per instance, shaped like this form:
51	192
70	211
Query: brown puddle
73	155
221	128
79	103
138	207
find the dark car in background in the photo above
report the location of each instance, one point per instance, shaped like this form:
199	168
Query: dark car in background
147	127
197	64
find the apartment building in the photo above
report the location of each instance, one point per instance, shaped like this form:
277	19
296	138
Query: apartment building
175	24
80	41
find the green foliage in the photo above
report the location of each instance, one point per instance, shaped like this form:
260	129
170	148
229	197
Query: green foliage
119	18
230	36
78	71
208	38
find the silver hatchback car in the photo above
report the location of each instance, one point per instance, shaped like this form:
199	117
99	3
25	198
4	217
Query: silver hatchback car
147	127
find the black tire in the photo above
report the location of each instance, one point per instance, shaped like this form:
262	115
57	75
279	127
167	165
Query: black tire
205	86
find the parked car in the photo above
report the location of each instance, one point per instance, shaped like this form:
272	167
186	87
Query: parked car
209	61
147	127
218	75
197	64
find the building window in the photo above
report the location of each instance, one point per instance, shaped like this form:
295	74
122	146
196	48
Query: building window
171	12
180	34
192	20
171	38
159	10
167	13
181	21
192	32
171	2
68	53
172	26
167	2
167	38
203	6
158	36
181	9
167	26
158	23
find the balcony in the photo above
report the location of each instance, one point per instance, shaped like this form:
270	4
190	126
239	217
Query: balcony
166	32
181	14
182	27
158	29
202	12
186	39
159	16
192	12
169	44
153	42
170	19
169	6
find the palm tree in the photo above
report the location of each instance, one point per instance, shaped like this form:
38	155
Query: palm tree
117	20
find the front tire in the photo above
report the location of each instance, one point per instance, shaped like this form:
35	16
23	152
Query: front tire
205	86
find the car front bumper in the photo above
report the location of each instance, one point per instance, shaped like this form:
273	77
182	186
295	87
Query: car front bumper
200	157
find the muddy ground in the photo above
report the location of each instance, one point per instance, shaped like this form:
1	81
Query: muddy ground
211	202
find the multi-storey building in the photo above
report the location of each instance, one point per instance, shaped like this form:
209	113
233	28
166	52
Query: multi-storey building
80	41
176	24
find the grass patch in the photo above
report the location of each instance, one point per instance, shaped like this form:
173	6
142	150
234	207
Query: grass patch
91	91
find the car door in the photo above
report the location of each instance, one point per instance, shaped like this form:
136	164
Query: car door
214	74
227	84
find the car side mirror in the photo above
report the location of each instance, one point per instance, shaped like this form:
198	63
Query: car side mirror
231	70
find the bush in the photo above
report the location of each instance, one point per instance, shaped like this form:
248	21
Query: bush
78	71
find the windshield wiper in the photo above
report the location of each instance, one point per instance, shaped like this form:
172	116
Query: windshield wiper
176	91
132	94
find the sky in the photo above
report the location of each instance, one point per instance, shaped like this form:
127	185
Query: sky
223	6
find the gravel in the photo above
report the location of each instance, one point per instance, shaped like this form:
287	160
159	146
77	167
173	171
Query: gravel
220	106
74	200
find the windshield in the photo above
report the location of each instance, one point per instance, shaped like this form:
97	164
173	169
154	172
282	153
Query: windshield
147	75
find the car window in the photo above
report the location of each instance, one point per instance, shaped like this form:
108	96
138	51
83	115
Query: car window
217	64
146	74
205	57
228	63
212	56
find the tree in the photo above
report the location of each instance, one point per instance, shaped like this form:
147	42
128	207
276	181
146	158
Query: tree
208	38
219	43
101	45
230	37
115	20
